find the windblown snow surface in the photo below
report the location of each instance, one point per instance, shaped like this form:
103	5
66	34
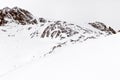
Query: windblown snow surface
97	59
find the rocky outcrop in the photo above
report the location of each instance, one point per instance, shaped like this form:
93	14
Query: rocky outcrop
102	27
59	29
42	20
118	31
16	15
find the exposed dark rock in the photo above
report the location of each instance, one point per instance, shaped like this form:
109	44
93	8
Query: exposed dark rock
99	26
112	30
34	34
16	15
102	27
58	29
29	28
42	20
3	30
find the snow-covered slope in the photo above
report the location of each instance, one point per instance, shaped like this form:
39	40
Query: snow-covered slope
25	38
92	60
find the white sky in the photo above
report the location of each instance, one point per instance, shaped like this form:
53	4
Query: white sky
74	11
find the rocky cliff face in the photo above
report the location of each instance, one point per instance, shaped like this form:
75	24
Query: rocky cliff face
16	15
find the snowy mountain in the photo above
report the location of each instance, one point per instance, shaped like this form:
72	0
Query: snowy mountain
17	17
28	38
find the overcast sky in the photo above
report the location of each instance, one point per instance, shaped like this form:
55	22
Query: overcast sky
75	11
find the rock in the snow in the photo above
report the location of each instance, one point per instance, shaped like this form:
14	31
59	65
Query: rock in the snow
42	20
102	27
112	30
58	29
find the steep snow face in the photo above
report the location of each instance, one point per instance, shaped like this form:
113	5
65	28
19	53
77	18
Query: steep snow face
92	60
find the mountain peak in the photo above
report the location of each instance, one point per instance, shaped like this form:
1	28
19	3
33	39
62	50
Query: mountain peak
16	7
16	15
6	8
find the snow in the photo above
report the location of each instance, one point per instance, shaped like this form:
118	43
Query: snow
18	49
23	57
97	59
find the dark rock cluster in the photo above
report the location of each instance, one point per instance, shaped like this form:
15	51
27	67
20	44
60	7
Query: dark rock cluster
58	29
102	27
17	15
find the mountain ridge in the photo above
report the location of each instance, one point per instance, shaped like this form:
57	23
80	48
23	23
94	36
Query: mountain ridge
52	29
